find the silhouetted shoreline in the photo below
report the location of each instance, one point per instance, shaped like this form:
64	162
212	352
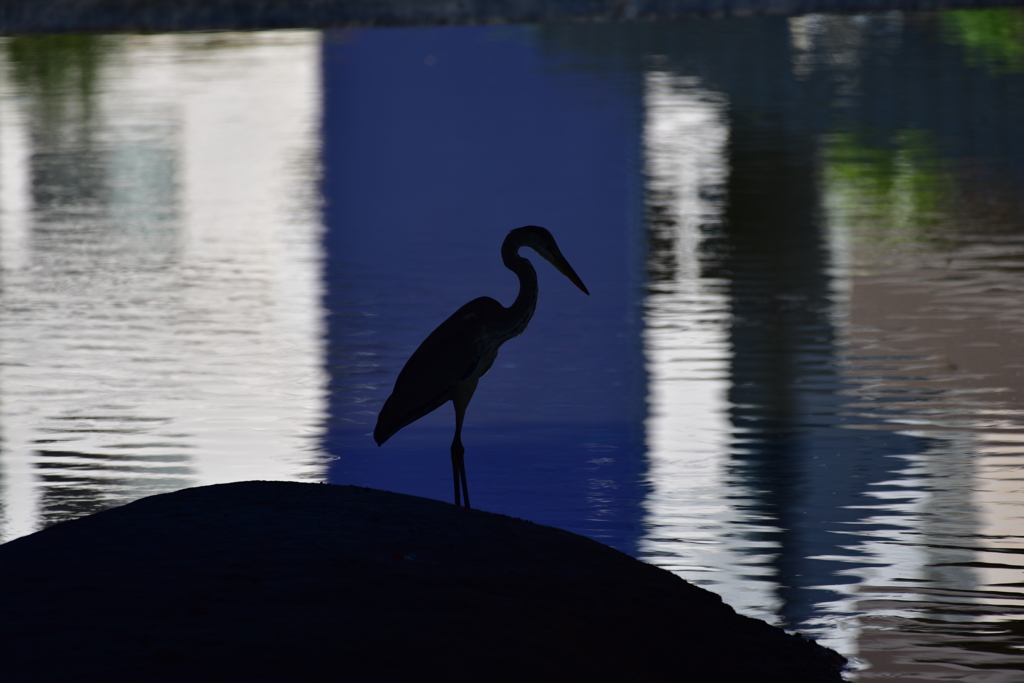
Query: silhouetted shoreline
287	581
63	16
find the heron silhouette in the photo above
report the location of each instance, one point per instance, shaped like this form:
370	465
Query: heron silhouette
453	358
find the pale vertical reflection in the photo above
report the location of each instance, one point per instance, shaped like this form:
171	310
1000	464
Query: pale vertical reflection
896	558
18	512
160	320
249	190
15	193
690	523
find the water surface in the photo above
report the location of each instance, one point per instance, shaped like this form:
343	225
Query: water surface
798	380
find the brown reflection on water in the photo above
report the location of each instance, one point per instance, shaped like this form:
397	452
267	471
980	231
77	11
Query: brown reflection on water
958	319
893	647
934	338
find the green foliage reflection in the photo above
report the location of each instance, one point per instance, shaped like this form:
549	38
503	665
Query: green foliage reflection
60	73
58	63
897	193
992	37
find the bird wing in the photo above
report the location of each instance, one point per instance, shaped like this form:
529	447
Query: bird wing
451	354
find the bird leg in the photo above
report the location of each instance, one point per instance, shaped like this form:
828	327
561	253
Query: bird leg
460	398
459	468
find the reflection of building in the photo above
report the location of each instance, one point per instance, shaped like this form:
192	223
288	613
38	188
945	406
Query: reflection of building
159	319
744	307
847	467
686	339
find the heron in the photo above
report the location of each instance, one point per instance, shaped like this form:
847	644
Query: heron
453	358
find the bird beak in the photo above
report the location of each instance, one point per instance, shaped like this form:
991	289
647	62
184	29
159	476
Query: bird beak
565	269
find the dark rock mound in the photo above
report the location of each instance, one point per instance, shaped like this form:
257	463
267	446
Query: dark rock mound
275	581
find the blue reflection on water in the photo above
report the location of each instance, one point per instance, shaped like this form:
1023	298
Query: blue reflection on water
436	143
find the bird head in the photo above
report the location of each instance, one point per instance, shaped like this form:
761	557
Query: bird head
541	241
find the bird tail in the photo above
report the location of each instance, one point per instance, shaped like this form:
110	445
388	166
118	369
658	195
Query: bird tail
381	433
388	422
394	416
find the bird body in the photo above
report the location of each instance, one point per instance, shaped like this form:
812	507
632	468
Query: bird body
451	360
460	349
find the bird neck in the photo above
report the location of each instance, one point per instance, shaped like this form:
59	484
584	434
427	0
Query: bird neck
521	310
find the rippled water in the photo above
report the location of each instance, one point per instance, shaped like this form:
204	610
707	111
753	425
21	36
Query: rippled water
798	381
159	318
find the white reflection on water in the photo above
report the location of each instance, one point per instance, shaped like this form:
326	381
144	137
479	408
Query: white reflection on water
160	319
688	519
